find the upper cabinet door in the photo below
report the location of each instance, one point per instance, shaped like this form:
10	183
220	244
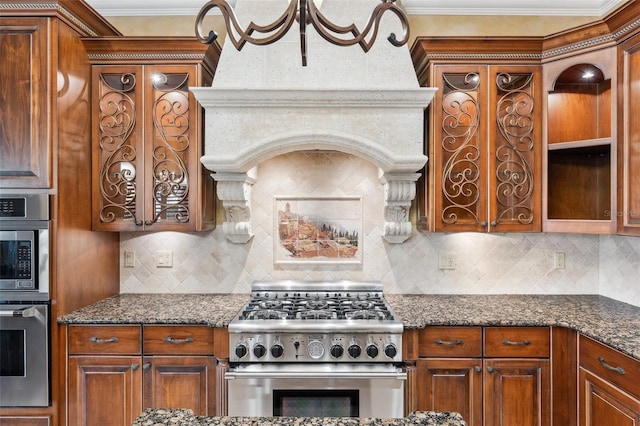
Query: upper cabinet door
485	149
515	147
458	149
25	145
118	152
628	213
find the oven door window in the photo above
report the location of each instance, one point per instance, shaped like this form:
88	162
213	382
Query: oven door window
316	403
12	354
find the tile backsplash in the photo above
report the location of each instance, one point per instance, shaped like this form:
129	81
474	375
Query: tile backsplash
484	263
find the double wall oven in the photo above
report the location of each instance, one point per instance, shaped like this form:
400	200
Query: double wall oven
316	349
24	300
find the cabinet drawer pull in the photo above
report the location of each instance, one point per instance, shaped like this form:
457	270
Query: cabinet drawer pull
170	339
449	342
94	339
510	343
618	370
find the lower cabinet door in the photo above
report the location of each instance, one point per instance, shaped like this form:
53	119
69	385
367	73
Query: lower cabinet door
180	382
603	404
104	390
451	385
517	392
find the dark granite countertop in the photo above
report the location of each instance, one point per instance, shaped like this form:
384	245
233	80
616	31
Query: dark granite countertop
156	417
611	322
214	310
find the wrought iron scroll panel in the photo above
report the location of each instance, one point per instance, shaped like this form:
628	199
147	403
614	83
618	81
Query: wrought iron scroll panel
118	150
461	149
514	149
171	142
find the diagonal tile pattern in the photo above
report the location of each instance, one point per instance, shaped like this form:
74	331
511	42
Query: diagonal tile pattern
485	263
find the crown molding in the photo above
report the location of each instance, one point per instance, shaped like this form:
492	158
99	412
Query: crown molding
413	7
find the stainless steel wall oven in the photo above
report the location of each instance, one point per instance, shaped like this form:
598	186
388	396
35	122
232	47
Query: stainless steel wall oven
24	301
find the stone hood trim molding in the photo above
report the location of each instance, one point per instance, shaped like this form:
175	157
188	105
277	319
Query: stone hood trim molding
263	103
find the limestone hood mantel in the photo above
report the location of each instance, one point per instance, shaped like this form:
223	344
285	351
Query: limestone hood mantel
263	103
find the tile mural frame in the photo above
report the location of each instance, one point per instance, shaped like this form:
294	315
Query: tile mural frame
324	220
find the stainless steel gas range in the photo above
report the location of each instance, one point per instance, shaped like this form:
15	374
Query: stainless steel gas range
316	349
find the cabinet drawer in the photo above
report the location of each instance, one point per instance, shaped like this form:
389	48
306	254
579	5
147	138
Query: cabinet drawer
516	342
450	342
178	339
104	339
610	365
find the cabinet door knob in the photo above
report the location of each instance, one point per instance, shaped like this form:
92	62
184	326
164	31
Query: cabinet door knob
478	369
490	369
494	223
147	222
483	223
134	367
138	222
146	365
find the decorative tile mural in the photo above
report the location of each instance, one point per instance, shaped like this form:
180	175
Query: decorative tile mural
484	263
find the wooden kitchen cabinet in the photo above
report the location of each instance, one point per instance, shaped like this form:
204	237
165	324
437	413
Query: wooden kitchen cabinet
484	135
24	134
148	134
134	367
609	394
628	123
492	375
180	369
580	182
104	375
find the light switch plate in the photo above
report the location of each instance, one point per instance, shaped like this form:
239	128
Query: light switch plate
129	259
164	259
558	260
446	261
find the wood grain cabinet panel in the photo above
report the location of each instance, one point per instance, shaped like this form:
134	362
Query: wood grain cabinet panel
510	385
105	339
104	390
517	392
178	339
24	134
604	404
180	382
629	129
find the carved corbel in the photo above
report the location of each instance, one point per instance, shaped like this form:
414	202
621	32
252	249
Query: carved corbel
234	190
399	192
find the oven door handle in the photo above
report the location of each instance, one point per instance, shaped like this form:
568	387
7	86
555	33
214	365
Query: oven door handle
399	375
28	312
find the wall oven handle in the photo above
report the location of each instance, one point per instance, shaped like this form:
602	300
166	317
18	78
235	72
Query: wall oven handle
29	312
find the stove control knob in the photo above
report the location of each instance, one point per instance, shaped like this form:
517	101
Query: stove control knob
372	351
354	351
259	350
241	350
337	351
390	350
277	351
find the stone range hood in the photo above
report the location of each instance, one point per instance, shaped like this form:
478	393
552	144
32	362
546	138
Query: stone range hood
264	103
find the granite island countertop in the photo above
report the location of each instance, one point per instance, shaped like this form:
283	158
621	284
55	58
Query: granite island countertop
179	417
614	323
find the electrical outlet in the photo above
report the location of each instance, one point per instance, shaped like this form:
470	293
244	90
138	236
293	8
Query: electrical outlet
446	261
558	260
129	259
164	259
